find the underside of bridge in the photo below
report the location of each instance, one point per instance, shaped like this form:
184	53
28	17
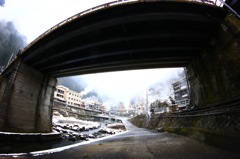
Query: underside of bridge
135	35
127	36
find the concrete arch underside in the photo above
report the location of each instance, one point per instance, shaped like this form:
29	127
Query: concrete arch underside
123	37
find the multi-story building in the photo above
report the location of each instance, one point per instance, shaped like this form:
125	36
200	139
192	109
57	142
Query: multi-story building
103	108
131	109
60	94
181	94
67	96
121	110
139	106
94	105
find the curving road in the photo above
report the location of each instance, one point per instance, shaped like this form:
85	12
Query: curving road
138	143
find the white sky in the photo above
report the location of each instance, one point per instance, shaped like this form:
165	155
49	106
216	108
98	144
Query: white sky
33	17
123	85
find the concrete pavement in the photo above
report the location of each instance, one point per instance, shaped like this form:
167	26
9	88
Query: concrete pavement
140	143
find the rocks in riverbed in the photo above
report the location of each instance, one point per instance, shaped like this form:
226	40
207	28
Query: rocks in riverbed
72	138
159	129
78	128
117	126
73	132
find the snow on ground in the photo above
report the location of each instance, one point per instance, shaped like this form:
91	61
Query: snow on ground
73	129
72	120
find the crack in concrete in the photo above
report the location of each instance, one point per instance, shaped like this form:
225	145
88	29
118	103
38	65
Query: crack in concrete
149	150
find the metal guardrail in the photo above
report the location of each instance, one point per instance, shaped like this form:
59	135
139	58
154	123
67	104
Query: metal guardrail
230	8
204	114
77	16
222	118
209	2
67	20
220	3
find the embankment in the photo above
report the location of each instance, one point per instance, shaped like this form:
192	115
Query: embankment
222	130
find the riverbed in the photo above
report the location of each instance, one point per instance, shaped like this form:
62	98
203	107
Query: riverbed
72	131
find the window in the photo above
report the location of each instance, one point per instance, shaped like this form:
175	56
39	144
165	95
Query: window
60	91
60	95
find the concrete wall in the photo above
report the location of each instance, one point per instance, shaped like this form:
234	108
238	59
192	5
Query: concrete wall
44	106
3	86
73	110
214	76
220	130
27	101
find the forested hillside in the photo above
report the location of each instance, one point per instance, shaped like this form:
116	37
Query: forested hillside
11	42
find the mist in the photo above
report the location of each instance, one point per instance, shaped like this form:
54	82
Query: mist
32	18
2	2
11	41
126	86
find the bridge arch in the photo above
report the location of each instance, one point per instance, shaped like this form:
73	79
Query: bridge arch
136	35
126	36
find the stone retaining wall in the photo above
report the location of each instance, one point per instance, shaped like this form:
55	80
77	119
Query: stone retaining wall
221	130
214	75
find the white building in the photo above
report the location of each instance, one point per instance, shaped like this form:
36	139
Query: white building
181	94
67	96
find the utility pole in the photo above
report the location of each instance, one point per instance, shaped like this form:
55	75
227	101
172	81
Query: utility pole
146	109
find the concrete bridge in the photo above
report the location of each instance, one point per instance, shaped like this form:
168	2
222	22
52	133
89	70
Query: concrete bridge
124	36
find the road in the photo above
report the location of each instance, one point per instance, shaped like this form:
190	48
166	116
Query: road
138	143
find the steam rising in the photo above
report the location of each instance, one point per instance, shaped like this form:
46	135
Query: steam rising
128	86
10	42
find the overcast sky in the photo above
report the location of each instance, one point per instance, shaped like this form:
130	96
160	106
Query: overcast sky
33	17
124	85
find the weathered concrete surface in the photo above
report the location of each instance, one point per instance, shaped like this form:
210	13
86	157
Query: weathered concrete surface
214	76
139	143
43	119
6	138
3	85
26	100
25	94
74	111
222	131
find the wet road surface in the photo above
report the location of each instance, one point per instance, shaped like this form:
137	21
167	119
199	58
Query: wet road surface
138	143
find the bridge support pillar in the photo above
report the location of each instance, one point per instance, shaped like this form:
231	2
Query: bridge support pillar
26	99
214	76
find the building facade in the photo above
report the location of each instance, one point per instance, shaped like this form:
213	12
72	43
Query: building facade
67	96
71	98
181	93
